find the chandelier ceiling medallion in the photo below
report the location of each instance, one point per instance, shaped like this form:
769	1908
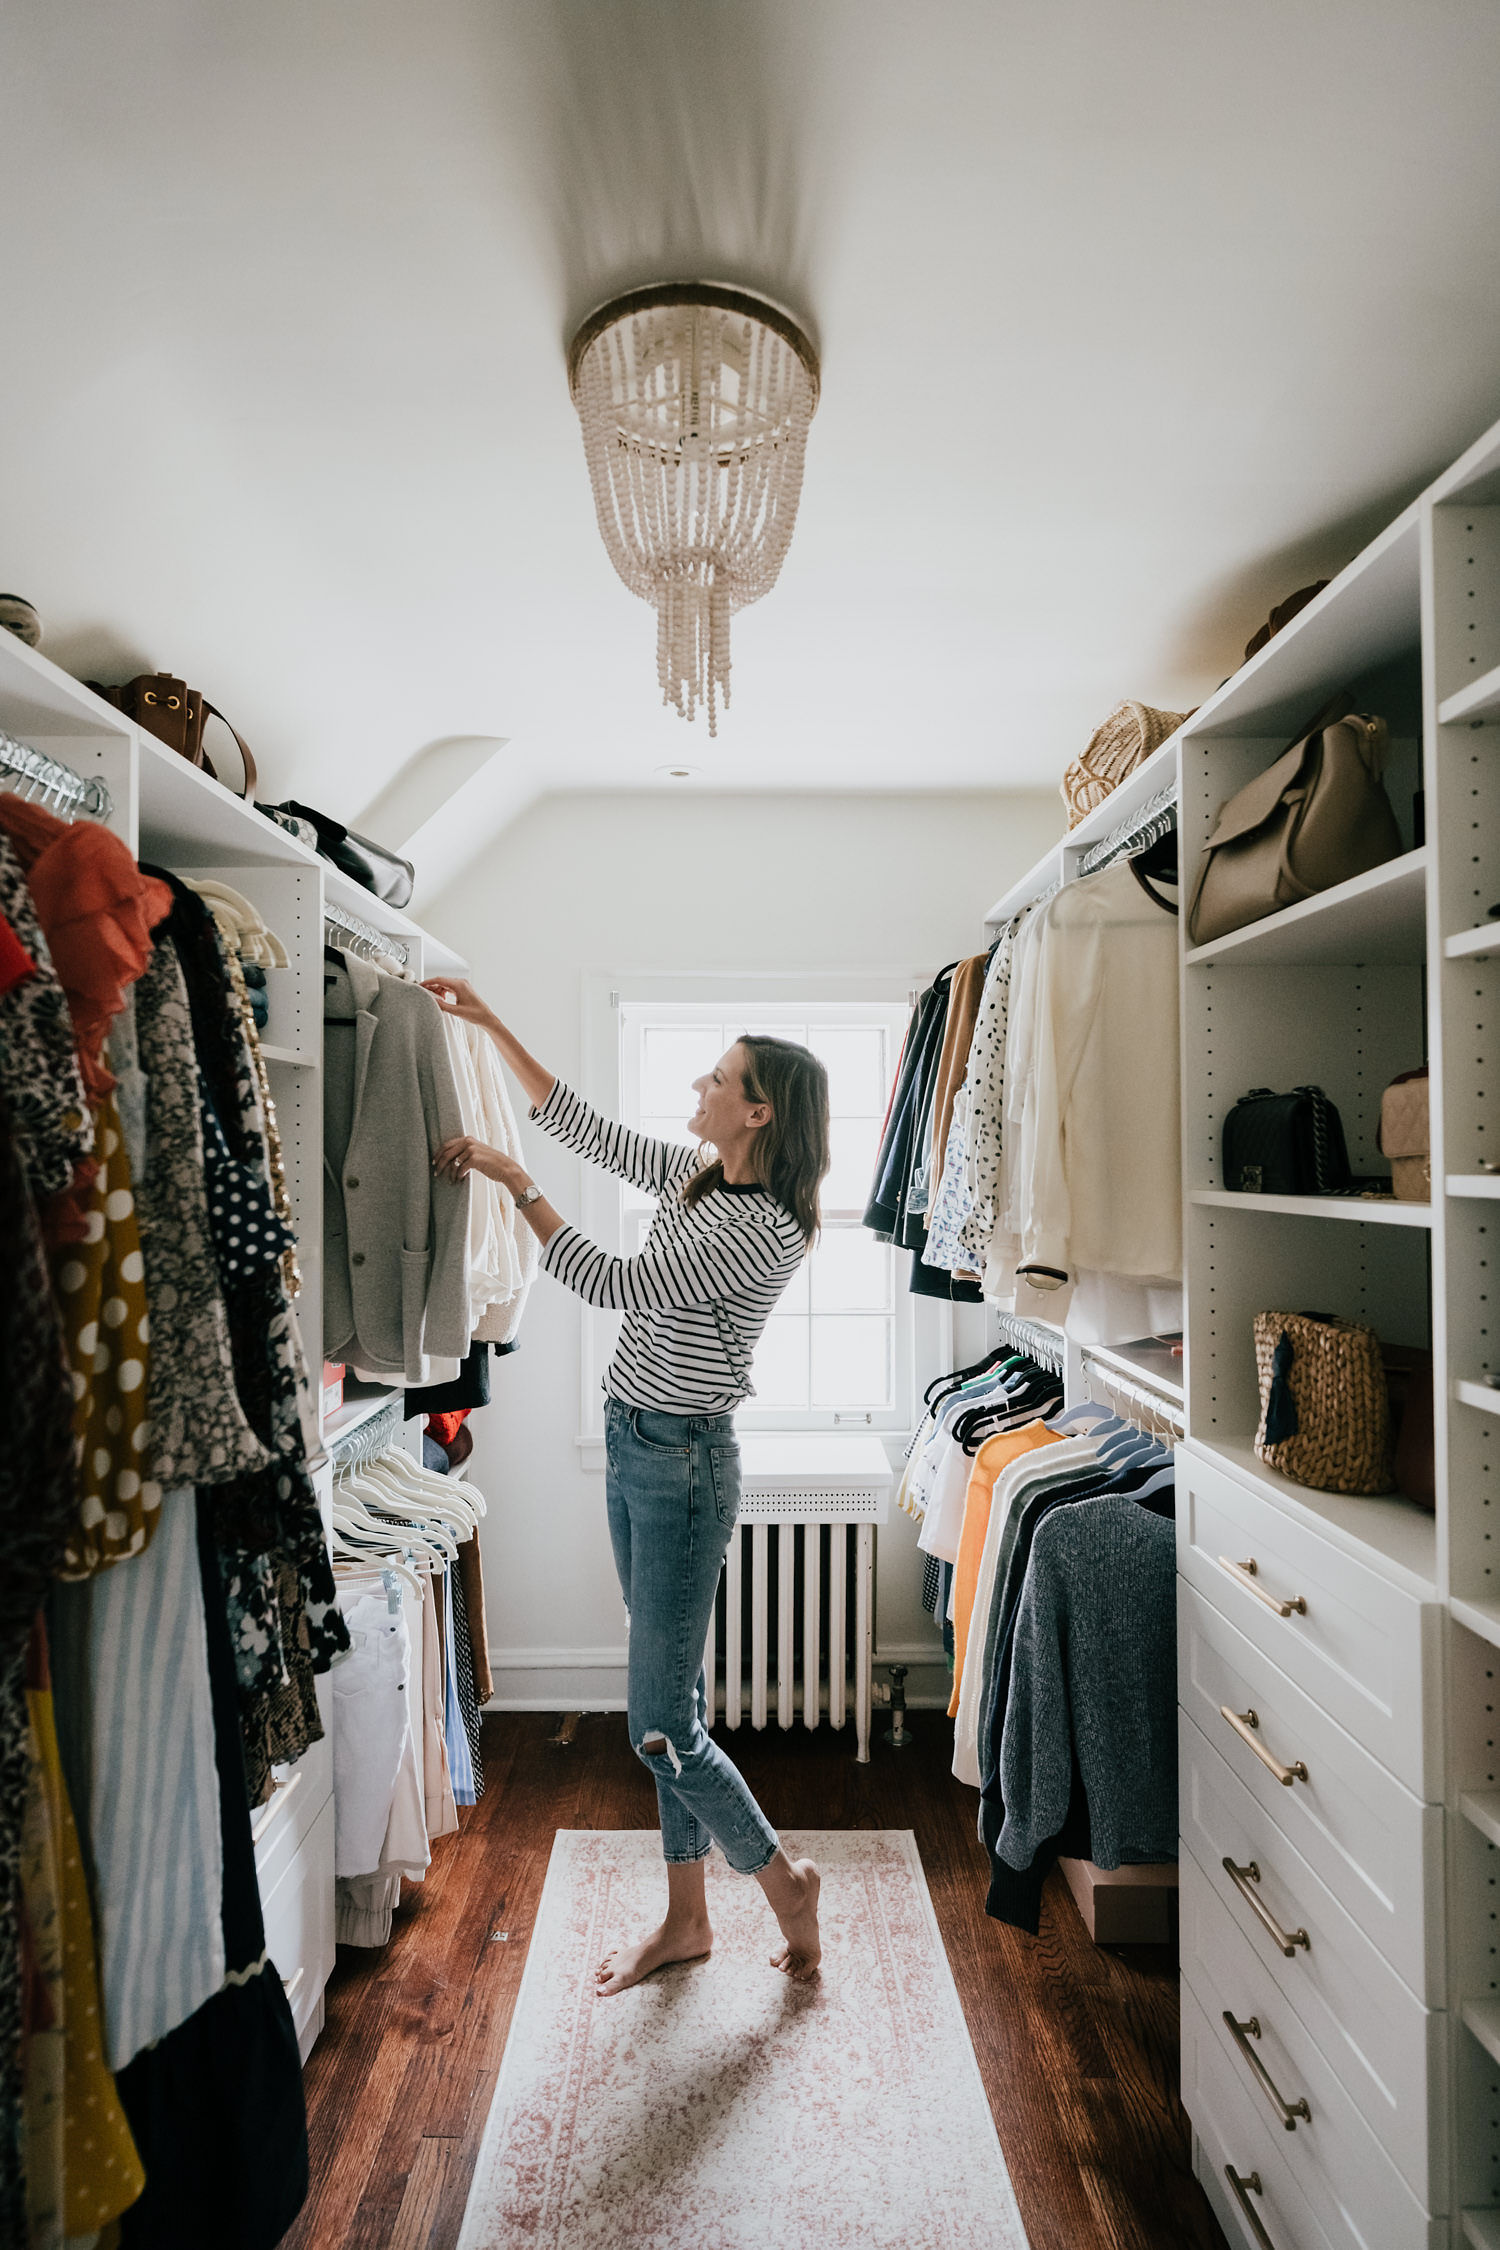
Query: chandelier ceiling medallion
695	402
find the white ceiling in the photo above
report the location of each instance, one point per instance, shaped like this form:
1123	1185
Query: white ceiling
1132	318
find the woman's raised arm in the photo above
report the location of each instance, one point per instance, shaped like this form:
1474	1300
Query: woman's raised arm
456	997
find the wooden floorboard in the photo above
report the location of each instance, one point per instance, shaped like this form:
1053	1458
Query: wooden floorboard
1077	2047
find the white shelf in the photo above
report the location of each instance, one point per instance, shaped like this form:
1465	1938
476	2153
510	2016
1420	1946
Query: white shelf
356	1411
1368	613
1480	1187
1482	1807
355	899
1477	1394
1031	885
1483	2019
1380	1211
287	1055
1468	943
1147	1362
1482	1618
1383	1530
1482	2229
1156	773
201	823
1480	695
1379	917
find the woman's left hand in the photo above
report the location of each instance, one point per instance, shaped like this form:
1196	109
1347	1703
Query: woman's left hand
456	1159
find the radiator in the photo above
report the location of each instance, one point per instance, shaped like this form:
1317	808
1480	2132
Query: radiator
793	1626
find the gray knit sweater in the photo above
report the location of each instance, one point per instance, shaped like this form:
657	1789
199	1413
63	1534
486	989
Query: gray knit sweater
1095	1671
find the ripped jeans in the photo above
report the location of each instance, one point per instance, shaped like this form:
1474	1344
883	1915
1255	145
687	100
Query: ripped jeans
672	1484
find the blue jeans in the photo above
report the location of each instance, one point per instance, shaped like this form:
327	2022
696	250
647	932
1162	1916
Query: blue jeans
672	1483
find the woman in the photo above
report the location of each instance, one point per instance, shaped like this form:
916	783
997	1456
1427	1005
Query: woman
728	1235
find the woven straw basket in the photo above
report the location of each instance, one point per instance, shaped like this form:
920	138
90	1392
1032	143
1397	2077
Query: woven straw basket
1339	1408
1127	737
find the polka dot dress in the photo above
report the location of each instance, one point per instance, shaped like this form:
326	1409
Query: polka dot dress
101	1289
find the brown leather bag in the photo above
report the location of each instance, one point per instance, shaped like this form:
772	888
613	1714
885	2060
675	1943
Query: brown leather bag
175	714
1316	817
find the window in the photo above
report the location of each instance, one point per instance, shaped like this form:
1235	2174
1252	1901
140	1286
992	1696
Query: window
837	1350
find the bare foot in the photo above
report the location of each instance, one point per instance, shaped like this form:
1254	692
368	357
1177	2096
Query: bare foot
629	1964
800	1956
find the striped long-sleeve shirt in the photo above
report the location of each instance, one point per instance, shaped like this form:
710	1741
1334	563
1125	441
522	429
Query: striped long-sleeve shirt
701	1289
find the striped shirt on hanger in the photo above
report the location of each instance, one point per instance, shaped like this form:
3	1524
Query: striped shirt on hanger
698	1294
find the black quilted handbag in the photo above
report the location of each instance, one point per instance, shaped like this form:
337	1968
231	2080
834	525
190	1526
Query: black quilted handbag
1285	1144
384	873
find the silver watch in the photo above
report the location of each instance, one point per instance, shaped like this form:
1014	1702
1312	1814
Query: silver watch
533	1194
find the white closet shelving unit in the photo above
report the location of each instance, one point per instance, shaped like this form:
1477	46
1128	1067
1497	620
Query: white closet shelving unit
176	817
1341	1848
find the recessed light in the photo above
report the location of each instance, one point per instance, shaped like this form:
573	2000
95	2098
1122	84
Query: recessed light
679	773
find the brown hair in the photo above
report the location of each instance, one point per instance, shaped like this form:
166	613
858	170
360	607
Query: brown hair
791	1150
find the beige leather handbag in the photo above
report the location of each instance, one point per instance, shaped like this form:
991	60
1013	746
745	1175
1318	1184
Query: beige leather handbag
1316	817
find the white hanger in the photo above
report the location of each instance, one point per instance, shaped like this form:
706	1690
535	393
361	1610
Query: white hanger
452	1503
378	1503
363	1510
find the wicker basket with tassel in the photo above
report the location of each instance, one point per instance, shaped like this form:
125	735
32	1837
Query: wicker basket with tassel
1325	1410
1126	739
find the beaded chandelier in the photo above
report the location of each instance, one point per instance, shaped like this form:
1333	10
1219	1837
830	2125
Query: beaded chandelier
695	402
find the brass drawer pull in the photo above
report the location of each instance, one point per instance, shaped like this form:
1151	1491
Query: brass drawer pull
1288	2112
1244	1724
1244	1879
1244	2186
1246	1574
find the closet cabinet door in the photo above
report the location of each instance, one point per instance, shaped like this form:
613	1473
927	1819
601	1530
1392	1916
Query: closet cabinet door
1280	2059
1388	2050
1376	1846
1293	2205
1365	1651
299	1928
281	1824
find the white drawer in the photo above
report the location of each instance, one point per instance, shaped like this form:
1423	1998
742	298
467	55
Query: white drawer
1235	2130
1364	1650
299	1795
1376	1846
1229	1978
1390	2052
299	1926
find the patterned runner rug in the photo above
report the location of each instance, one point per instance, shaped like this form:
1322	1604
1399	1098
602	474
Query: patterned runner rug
719	2106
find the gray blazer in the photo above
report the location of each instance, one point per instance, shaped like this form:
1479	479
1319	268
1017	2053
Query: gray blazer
395	1291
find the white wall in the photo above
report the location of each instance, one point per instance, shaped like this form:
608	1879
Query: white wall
660	883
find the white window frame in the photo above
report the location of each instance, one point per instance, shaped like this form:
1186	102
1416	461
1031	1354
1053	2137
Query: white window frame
923	1325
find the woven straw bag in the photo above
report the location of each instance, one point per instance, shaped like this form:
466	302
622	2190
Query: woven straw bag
1127	737
1325	1409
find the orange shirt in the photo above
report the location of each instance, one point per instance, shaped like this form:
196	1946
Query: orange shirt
995	1454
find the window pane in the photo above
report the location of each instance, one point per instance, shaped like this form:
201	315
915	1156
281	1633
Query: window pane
768	1026
672	1056
855	1062
851	1272
673	1128
855	1142
779	1369
851	1359
793	1298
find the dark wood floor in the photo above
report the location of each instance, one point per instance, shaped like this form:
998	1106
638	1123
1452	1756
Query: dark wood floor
1078	2047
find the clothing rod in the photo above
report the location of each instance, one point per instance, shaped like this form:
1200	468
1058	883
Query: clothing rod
56	780
334	917
1044	1345
1121	1388
371	1439
1154	819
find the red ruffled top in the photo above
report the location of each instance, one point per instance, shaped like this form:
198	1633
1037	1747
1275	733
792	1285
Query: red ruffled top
97	912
